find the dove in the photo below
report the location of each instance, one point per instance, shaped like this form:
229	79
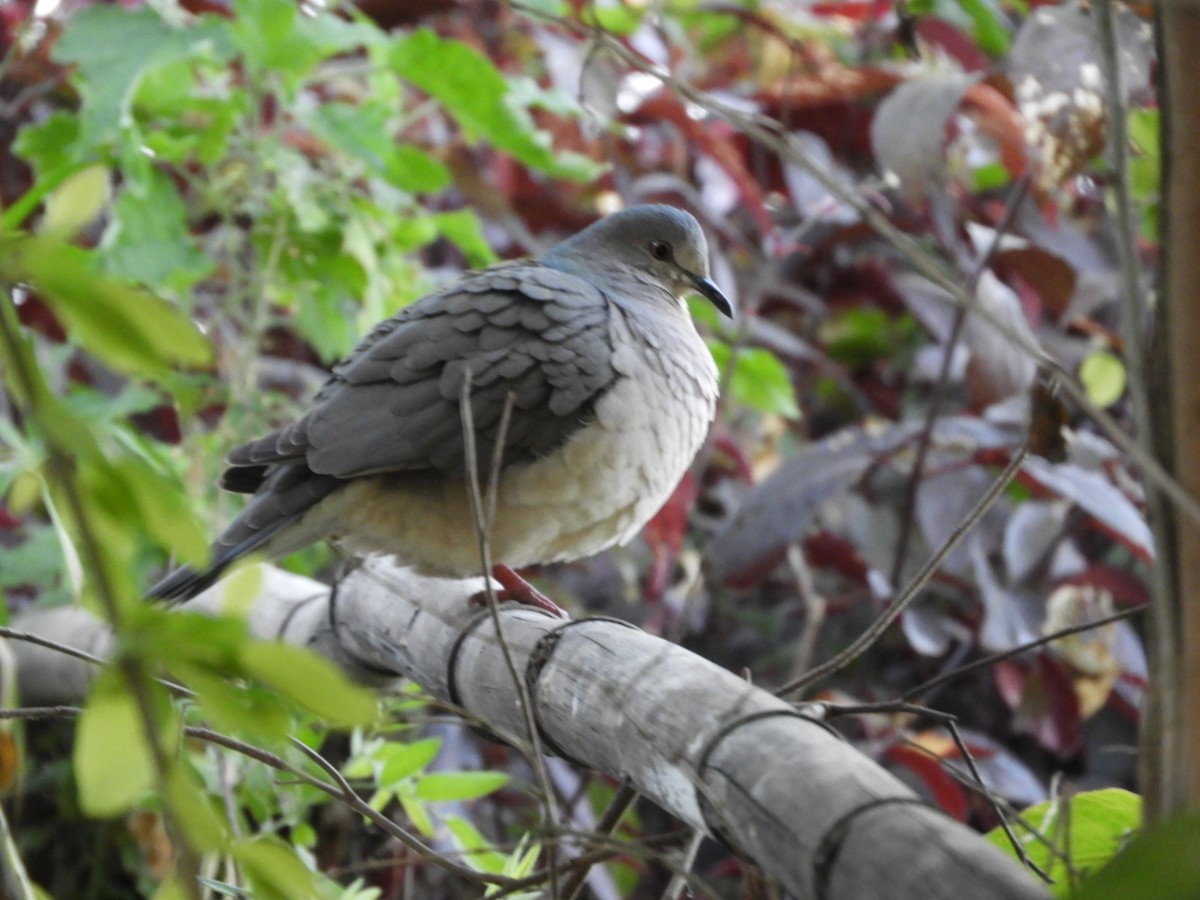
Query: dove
583	371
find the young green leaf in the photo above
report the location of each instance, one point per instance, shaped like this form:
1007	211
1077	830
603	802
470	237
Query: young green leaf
98	41
114	767
477	850
312	682
1100	822
459	785
149	240
1160	863
76	202
274	870
1103	377
476	93
130	329
759	379
401	760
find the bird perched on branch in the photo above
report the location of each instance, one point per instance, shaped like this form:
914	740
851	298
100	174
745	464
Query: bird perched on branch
582	369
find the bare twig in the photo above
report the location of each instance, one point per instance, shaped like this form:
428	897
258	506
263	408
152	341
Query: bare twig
483	525
994	658
975	782
940	388
41	712
880	625
30	638
679	881
814	608
620	804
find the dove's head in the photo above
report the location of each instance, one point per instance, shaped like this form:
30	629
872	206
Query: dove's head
653	243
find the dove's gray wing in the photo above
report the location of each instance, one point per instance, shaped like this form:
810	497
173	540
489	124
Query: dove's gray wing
393	405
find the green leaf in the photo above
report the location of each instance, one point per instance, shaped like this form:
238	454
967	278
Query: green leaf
990	177
401	760
1103	377
162	509
459	785
249	711
312	682
193	811
76	202
1161	862
988	26
114	767
99	40
130	329
859	336
149	240
49	145
477	850
476	93
1100	821
361	132
416	812
759	380
275	38
462	228
274	870
171	637
619	19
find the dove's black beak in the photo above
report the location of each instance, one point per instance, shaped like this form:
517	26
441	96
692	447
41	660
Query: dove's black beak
707	288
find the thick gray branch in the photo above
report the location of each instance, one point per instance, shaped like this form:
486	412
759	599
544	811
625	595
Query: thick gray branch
717	752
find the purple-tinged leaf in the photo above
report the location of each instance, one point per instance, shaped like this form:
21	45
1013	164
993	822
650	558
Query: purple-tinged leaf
1099	498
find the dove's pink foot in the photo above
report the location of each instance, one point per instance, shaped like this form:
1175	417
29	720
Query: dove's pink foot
515	588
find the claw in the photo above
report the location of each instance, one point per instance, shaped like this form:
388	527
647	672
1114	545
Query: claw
515	588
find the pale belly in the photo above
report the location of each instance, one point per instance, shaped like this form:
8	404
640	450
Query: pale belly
596	491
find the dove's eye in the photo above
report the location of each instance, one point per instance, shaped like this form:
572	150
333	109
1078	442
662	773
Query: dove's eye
662	251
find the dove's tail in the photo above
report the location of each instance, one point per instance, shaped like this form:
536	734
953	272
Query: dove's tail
283	494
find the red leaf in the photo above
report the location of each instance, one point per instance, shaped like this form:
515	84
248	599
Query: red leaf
714	138
954	41
946	792
1042	696
827	550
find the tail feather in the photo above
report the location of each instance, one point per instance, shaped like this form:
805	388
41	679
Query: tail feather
285	496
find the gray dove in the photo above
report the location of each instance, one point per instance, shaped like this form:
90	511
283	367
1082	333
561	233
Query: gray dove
612	393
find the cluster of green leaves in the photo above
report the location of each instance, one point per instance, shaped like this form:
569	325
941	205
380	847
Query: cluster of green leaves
240	171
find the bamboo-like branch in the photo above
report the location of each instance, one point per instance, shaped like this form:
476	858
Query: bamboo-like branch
718	753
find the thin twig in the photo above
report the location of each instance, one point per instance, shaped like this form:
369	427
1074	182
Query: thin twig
815	607
950	723
994	658
679	881
483	526
880	625
29	637
941	386
620	804
41	712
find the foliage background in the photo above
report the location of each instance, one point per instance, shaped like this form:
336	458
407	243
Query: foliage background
278	178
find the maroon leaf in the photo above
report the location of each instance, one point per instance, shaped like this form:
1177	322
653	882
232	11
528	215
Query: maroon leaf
1042	697
944	789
